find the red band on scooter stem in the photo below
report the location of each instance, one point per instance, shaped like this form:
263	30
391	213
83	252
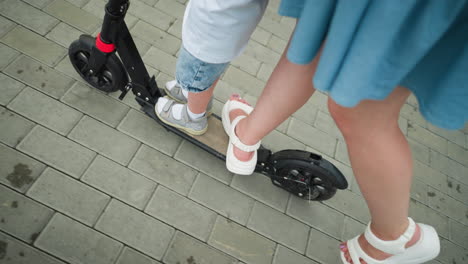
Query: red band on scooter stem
104	47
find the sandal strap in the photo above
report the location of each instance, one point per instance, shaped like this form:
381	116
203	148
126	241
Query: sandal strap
392	246
168	105
236	141
356	253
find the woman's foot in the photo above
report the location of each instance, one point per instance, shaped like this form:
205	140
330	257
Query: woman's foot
375	253
241	155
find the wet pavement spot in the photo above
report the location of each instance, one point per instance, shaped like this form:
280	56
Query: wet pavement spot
14	204
431	194
450	184
20	176
458	188
21	254
19	71
191	260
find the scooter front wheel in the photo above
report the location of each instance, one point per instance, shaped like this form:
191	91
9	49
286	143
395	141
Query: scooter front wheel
112	76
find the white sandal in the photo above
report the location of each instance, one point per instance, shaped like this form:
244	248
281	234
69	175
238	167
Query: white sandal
233	164
228	107
427	248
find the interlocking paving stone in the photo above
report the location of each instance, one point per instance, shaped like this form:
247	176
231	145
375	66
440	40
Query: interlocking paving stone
260	187
156	37
447	206
265	72
68	196
60	152
459	233
28	16
350	204
448	166
351	228
323	248
20	216
261	36
458	190
64	34
105	140
427	138
5	25
95	104
247	63
176	28
131	256
7	54
182	213
283	255
419	191
266	220
151	15
45	110
14	127
65	67
455	136
224	91
278	29
313	137
77	243
160	60
38	3
14	251
413	115
163	169
9	89
451	253
262	53
326	123
317	215
241	242
276	141
219	197
458	153
308	112
185	249
119	182
423	214
171	8
277	44
34	45
430	176
419	151
73	15
244	81
17	170
341	153
39	76
148	131
125	224
203	161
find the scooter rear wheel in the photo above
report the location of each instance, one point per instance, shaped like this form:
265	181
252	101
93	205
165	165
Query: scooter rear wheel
111	78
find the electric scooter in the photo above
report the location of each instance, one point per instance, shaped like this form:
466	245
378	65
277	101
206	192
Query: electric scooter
304	174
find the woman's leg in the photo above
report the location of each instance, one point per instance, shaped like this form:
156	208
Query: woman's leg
288	88
381	162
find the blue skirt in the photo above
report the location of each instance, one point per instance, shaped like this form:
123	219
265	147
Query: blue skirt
373	46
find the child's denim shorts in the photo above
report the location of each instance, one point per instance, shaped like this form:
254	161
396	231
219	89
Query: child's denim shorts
195	75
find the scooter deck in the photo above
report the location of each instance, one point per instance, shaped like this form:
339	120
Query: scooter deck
215	140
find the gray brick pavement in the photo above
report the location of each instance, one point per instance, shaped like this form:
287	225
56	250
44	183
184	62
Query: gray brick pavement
125	224
34	45
169	186
76	243
68	196
57	151
14	127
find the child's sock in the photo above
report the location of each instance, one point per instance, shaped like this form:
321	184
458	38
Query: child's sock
194	116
